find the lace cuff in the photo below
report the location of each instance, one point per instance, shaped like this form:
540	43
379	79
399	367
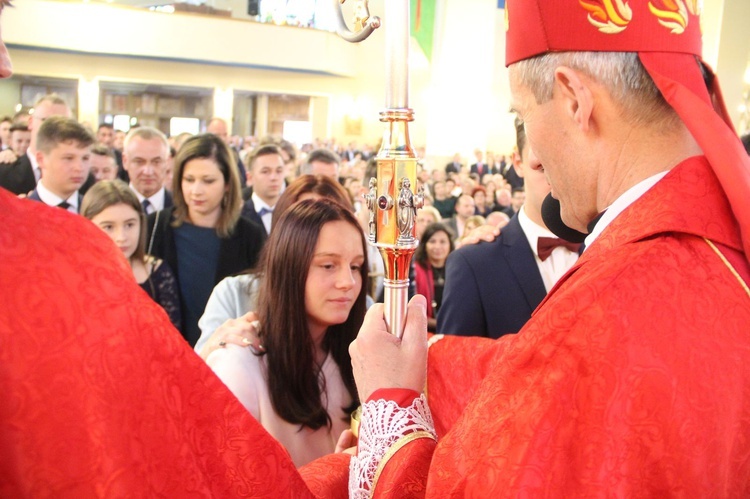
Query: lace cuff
385	428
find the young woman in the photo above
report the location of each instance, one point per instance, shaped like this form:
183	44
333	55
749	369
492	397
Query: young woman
309	297
115	209
202	236
430	257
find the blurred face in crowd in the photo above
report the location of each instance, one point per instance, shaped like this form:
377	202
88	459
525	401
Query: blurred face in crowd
438	247
119	141
122	224
20	141
480	198
145	161
203	187
64	168
334	279
503	197
439	190
105	136
103	167
323	168
517	200
465	206
266	175
424	218
218	128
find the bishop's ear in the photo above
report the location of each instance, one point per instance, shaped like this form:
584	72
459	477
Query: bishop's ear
573	87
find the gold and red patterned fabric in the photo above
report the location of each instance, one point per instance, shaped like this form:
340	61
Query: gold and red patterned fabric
630	380
101	396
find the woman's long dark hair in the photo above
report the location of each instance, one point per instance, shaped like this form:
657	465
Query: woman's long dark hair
295	382
420	256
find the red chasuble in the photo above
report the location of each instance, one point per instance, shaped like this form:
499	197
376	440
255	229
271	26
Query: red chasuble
101	396
630	380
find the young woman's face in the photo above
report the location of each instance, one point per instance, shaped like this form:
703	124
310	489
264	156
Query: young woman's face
203	187
121	223
438	248
334	280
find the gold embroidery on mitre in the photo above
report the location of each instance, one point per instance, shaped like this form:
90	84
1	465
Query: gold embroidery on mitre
695	7
507	21
673	15
609	16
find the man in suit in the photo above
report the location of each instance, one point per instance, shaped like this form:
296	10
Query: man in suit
20	139
266	176
105	135
63	154
144	157
510	174
103	163
455	165
491	289
464	208
480	167
22	174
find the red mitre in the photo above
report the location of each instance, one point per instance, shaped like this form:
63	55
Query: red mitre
666	34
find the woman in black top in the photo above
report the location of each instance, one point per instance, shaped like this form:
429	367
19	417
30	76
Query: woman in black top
203	236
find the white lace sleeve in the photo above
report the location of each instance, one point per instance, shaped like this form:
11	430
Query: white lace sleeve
383	424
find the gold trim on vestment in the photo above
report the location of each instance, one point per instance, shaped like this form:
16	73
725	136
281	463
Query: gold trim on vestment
729	266
395	448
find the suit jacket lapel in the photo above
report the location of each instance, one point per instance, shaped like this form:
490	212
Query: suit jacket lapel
522	263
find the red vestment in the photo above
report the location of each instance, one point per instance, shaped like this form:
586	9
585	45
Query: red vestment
630	380
101	396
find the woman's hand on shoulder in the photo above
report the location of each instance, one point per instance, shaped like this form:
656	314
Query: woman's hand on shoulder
243	331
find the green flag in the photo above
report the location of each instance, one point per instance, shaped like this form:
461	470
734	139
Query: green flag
423	24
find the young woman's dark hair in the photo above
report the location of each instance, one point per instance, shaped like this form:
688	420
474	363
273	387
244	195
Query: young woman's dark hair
420	255
294	380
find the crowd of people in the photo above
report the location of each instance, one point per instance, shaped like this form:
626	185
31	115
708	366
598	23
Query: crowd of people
185	319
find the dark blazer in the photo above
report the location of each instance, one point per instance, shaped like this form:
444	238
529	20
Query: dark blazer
34	196
512	177
18	177
475	168
453	167
491	289
238	252
168	199
248	211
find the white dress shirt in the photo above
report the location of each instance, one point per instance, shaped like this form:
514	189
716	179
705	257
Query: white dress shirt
34	165
51	199
156	201
559	261
259	205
